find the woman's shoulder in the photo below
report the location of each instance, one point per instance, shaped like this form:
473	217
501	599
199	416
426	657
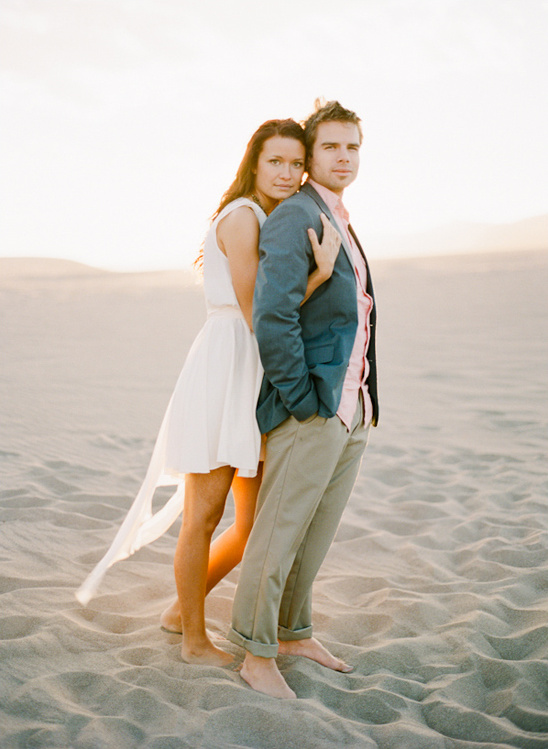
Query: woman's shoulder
240	223
242	203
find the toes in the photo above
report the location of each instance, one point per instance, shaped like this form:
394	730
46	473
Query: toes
346	668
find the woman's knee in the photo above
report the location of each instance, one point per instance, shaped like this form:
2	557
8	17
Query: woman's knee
205	503
202	523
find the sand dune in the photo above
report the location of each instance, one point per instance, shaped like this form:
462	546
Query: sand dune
435	588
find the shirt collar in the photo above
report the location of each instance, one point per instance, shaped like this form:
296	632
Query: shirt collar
331	199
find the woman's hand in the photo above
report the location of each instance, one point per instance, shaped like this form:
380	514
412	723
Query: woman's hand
325	253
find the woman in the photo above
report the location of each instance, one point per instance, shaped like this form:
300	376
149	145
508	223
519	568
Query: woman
209	441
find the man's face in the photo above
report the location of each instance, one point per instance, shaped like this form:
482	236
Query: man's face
336	155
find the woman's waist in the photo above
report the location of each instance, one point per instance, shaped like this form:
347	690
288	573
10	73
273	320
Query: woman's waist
224	311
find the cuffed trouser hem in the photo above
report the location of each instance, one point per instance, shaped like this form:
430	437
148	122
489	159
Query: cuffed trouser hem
294	634
255	648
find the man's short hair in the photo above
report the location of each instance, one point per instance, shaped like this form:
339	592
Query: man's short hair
331	111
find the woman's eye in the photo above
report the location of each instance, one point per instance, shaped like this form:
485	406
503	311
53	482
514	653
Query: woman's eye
274	161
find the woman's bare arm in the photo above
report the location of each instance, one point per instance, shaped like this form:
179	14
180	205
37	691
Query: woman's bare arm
238	239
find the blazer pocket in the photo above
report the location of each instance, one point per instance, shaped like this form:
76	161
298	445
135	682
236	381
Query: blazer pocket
322	354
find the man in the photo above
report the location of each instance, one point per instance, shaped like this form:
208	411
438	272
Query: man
317	401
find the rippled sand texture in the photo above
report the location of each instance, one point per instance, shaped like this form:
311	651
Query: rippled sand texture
436	587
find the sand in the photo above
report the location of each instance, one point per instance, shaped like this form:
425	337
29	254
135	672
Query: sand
435	588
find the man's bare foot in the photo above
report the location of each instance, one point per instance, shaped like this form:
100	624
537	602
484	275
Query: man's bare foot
311	648
263	675
205	654
170	619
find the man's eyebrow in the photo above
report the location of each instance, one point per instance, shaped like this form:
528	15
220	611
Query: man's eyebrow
337	143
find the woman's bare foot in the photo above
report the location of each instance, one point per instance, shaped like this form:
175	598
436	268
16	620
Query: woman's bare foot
263	675
205	654
311	648
170	619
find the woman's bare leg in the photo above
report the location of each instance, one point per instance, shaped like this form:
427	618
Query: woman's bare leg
228	548
205	497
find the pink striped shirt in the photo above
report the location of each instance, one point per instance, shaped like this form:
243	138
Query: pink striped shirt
358	366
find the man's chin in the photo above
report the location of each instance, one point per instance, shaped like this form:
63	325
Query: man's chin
343	179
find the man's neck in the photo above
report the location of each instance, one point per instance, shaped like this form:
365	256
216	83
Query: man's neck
338	193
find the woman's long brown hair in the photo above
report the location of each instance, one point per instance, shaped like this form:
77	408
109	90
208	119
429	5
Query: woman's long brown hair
244	181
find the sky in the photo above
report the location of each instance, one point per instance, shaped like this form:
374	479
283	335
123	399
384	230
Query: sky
123	121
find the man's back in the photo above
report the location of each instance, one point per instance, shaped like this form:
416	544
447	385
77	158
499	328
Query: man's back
304	348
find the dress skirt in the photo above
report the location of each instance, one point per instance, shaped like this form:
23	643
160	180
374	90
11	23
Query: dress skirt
210	422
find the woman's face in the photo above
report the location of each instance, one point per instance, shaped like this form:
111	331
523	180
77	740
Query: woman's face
280	169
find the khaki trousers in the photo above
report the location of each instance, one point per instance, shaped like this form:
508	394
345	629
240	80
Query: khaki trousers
310	469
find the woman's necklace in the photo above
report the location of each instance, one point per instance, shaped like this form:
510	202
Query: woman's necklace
255	199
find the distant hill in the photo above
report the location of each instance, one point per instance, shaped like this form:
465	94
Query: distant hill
458	237
43	267
15	269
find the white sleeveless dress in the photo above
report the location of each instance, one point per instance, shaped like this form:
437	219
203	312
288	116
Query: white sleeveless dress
210	420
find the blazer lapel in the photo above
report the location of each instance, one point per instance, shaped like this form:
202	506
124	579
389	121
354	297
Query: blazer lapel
369	287
309	190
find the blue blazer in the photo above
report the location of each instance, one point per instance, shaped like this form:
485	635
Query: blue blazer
305	349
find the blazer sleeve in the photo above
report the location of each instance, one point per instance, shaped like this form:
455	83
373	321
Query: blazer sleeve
285	260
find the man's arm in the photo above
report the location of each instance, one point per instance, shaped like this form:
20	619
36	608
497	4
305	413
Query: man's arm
285	259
